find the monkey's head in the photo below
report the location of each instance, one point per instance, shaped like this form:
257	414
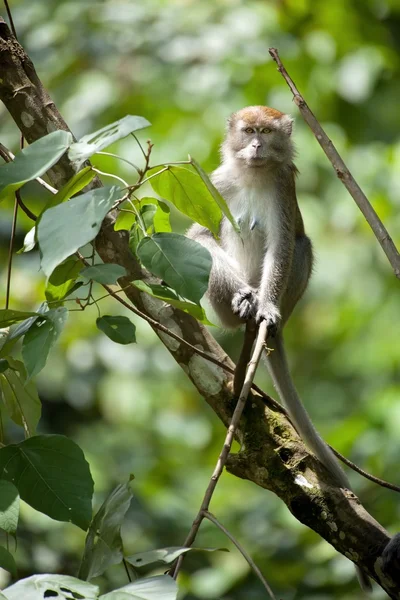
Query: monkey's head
258	136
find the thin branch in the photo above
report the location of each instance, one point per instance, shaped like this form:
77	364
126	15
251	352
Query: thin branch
120	158
342	171
7	155
125	183
245	355
210	517
251	371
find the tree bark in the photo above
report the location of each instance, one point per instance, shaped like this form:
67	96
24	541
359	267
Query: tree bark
272	455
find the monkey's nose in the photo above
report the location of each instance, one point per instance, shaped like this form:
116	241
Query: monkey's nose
256	145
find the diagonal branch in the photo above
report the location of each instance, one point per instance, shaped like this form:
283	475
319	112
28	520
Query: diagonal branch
272	454
380	231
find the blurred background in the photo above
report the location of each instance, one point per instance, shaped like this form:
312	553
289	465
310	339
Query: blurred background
186	65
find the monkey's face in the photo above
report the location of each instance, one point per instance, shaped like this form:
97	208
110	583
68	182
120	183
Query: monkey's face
259	135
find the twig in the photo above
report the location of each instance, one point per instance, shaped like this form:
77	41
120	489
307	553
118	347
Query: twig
245	355
261	337
342	171
10	253
210	517
7	155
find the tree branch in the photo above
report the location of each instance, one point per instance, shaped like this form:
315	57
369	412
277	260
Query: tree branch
380	231
272	454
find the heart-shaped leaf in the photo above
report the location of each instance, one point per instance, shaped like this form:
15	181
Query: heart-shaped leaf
183	263
9	506
40	338
104	273
52	475
119	329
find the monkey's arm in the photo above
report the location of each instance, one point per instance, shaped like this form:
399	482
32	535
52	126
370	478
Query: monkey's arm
277	267
225	281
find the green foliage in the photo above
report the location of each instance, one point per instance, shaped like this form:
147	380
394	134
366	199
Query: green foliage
62	281
63	229
9	317
119	329
162	587
9	507
33	161
190	194
103	542
169	295
19	396
52	475
184	264
40	338
7	562
165	555
104	273
94	142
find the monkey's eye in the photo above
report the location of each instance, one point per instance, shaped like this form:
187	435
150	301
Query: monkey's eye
249	130
266	130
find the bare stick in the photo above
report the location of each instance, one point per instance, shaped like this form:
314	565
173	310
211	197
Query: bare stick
342	171
261	337
210	517
241	367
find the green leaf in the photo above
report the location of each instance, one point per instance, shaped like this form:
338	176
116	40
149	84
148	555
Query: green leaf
94	142
162	587
4	365
104	273
40	338
165	555
33	161
161	218
147	212
20	396
9	506
215	194
72	187
60	587
186	190
183	263
118	329
62	280
9	317
66	227
168	295
52	475
125	220
7	561
103	546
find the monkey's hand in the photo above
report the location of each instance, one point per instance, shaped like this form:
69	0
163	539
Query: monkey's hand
244	303
269	312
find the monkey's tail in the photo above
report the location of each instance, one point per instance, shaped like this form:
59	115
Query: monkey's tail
279	371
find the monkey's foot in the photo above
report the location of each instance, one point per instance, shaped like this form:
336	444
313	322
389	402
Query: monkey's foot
244	304
269	313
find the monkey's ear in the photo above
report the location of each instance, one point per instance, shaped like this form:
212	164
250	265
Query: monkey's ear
287	124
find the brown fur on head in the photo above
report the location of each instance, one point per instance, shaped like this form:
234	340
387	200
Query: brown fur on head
259	136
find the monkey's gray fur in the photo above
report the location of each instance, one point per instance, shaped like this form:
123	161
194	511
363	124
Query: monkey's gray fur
264	271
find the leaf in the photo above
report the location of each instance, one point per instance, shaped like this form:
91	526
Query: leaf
168	295
72	187
39	587
8	316
103	546
159	215
20	396
165	555
104	273
162	587
29	241
9	507
33	161
119	329
65	228
40	338
147	212
183	263
125	220
52	476
7	561
94	142
215	194
186	190
62	280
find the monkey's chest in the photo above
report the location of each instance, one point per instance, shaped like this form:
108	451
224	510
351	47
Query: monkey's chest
258	218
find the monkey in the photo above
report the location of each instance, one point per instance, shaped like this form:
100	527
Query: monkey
263	272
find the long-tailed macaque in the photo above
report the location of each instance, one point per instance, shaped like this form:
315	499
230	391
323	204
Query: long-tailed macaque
263	272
